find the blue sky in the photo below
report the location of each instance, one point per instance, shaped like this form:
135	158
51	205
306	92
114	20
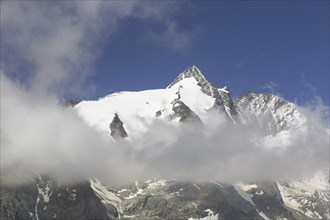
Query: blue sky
246	45
88	49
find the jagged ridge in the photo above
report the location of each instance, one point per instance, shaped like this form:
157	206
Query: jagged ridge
272	113
194	72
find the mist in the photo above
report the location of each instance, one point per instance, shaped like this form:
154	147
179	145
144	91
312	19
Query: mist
53	55
39	136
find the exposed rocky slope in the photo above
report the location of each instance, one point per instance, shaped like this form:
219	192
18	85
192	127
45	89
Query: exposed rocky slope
43	198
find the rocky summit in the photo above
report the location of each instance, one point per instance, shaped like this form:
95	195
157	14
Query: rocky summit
189	99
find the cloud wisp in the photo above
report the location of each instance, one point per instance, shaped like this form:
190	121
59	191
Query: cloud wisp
270	86
172	37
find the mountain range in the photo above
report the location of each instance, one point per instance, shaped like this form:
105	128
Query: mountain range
189	101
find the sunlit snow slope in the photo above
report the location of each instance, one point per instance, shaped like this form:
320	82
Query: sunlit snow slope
138	109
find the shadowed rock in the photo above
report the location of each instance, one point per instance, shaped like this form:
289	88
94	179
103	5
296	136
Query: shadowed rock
117	129
184	112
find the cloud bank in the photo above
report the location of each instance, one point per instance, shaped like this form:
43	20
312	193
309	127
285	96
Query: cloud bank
38	136
52	54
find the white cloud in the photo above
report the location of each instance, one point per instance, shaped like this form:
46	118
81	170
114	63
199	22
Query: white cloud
270	86
172	37
52	39
54	44
40	136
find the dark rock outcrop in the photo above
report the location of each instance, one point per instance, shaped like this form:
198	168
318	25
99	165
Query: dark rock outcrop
158	113
117	129
218	101
184	112
228	104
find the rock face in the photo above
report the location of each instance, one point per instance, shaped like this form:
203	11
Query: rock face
218	100
272	113
194	72
18	202
229	104
170	199
117	129
184	113
222	100
224	103
43	198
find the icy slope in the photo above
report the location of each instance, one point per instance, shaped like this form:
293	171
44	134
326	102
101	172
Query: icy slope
137	110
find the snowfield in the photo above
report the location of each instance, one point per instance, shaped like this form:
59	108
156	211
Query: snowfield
137	110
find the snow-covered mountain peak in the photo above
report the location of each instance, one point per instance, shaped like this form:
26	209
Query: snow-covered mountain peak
138	110
195	73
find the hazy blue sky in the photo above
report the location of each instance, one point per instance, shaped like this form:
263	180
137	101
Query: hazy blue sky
246	45
279	46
